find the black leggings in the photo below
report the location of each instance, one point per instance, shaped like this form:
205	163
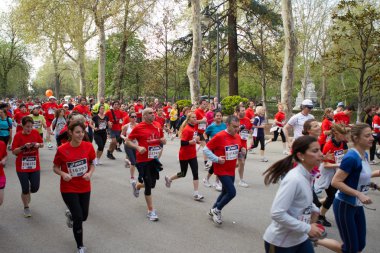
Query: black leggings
330	192
148	175
276	133
211	170
173	124
5	139
30	181
100	139
372	150
78	204
185	164
258	139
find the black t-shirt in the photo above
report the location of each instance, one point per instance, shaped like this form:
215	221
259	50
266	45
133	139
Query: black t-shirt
100	123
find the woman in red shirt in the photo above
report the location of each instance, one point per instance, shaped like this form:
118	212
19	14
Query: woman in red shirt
3	160
25	146
188	153
278	124
328	119
73	162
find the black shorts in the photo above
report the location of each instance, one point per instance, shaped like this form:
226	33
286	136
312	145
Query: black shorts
201	137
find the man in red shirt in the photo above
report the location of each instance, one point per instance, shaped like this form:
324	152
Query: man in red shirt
29	104
244	131
82	108
115	116
138	109
150	139
344	117
201	126
250	112
223	150
49	112
167	110
19	115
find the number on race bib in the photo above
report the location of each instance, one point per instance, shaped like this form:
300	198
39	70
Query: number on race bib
77	168
202	126
244	134
29	163
306	215
102	125
153	152
231	152
338	154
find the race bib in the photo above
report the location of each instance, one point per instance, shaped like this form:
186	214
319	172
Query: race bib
195	135
231	152
30	107
153	152
102	125
306	215
50	111
202	126
338	154
29	163
37	124
244	134
77	168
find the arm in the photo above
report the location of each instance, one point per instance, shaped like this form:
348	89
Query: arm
376	173
87	176
210	155
123	133
285	130
65	176
139	149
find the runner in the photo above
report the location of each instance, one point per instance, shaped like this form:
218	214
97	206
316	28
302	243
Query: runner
49	110
376	134
244	130
217	126
339	108
293	212
5	127
345	116
100	125
149	135
188	154
39	121
223	150
83	108
19	115
201	127
258	132
25	146
3	161
327	122
173	121
115	116
139	109
58	123
73	162
278	124
352	179
337	146
130	160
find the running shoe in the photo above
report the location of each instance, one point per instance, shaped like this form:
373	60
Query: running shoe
216	216
252	151
135	191
69	220
127	163
131	180
373	162
264	159
168	182
82	249
152	215
198	197
119	150
242	183
27	212
374	186
285	152
322	220
206	183
218	187
110	156
50	146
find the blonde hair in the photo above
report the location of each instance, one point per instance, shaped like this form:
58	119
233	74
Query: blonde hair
338	128
184	123
260	109
357	130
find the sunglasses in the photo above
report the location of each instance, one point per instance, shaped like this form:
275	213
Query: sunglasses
309	107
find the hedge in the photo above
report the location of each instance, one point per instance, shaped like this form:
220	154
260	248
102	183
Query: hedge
229	103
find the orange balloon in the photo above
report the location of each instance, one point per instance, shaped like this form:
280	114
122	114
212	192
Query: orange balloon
49	93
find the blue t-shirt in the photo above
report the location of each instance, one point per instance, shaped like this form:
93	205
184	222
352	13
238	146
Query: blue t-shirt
258	121
4	126
213	129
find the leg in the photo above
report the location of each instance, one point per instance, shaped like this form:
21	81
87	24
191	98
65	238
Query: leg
25	194
228	192
34	178
1	196
194	170
72	201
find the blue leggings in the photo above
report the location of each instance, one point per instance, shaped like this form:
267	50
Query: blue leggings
351	224
305	247
228	191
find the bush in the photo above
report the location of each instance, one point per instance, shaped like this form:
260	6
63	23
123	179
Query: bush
229	103
182	103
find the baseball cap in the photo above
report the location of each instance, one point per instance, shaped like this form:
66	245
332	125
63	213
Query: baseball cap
52	97
341	104
36	106
307	102
65	105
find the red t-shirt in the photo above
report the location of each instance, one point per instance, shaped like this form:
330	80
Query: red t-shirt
167	110
342	118
49	110
147	136
29	106
75	161
201	127
280	117
326	126
117	120
3	153
82	109
250	113
125	120
189	151
224	144
244	132
29	159
337	151
160	120
376	120
18	117
138	110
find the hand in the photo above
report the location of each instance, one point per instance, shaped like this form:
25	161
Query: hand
163	141
66	177
221	159
329	156
315	231
3	162
87	176
37	145
141	150
28	145
364	199
243	151
197	139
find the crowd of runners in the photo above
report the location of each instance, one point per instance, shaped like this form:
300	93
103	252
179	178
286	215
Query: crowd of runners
318	169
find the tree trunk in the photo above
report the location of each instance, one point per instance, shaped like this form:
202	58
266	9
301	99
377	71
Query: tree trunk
263	73
82	71
324	86
54	48
289	57
102	58
232	49
193	68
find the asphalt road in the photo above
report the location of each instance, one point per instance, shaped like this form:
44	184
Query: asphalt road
117	221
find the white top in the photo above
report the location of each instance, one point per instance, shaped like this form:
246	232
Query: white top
297	121
291	210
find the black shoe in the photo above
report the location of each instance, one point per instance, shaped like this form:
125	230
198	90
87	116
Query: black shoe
110	156
119	150
322	220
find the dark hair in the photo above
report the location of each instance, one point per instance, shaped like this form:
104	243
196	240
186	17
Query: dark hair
357	130
21	105
58	112
115	102
237	108
217	111
201	100
74	124
26	119
350	108
307	126
369	108
283	166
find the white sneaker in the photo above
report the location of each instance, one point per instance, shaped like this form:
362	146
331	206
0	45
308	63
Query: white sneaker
50	146
285	152
131	180
373	162
216	216
135	191
218	187
127	163
252	151
82	250
69	219
206	183
152	215
198	197
207	166
242	183
264	159
27	213
168	182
